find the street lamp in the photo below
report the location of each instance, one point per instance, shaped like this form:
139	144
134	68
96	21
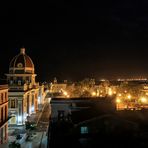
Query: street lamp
129	97
65	93
118	100
110	93
119	95
93	94
143	100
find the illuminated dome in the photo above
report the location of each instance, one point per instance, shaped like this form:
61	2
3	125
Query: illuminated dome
21	64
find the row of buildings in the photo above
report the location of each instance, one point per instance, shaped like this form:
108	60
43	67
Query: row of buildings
22	96
130	94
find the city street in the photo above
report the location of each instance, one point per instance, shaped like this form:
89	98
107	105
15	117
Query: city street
40	139
43	121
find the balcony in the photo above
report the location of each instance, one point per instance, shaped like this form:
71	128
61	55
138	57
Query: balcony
19	87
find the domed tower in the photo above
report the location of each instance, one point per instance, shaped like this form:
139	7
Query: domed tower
23	89
21	69
21	64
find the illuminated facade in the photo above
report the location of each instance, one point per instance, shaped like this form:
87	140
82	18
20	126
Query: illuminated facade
57	87
41	96
3	114
23	89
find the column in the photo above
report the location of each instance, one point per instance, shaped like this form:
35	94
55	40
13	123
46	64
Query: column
25	108
20	119
36	102
6	132
2	139
29	104
0	116
33	103
0	136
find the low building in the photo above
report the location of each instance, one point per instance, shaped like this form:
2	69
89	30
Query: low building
57	87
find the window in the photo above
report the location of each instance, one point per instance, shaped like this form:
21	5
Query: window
9	104
13	103
2	97
11	82
19	82
27	81
6	96
2	117
19	65
6	112
84	130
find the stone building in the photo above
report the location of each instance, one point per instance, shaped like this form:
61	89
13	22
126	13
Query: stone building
23	89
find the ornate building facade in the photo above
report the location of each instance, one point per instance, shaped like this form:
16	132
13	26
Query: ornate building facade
23	89
3	113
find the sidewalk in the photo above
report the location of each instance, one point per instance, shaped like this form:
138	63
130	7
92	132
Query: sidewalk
35	116
39	141
44	141
6	145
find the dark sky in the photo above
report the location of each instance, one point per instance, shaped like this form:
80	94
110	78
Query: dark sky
72	41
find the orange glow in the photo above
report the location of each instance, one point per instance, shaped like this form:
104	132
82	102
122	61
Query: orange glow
118	100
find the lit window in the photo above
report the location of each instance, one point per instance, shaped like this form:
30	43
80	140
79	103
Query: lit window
84	130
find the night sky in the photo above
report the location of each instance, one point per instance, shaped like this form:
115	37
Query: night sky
73	41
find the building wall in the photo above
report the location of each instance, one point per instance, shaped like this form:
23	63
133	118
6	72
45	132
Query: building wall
25	104
3	114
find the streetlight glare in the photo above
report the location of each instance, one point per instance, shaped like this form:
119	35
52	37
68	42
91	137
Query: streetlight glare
93	93
118	100
110	93
129	96
65	93
143	100
119	95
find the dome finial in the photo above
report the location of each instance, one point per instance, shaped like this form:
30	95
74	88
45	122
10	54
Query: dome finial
22	50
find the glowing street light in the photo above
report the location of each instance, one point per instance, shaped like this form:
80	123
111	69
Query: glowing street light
143	100
129	97
119	95
93	94
110	93
118	100
67	96
65	93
